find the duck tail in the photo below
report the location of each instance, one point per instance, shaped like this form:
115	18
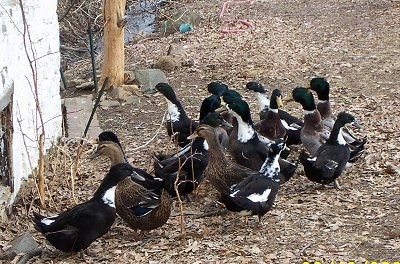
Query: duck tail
37	220
304	159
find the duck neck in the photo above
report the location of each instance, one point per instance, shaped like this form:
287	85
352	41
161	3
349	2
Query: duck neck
313	120
117	156
336	136
245	130
215	152
324	108
270	168
175	111
263	101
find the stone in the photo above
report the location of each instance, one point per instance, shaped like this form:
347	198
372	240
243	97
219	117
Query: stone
76	82
129	77
148	78
85	86
167	63
22	244
173	24
109	103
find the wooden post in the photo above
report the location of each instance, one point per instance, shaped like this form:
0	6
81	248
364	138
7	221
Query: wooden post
114	60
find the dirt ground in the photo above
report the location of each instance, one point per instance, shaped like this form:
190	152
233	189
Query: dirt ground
355	44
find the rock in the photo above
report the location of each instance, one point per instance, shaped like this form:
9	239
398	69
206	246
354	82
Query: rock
148	78
124	91
167	63
132	100
21	244
75	82
129	77
86	86
109	103
173	24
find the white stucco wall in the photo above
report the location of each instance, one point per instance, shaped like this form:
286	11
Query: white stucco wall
16	78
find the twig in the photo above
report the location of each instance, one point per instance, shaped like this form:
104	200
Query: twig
151	139
212	213
304	248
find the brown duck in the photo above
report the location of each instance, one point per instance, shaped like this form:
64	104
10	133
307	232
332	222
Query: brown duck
140	207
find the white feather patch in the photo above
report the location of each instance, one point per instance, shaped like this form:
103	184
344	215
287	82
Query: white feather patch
263	101
259	198
245	131
289	127
109	197
312	159
205	145
49	220
340	138
308	112
173	112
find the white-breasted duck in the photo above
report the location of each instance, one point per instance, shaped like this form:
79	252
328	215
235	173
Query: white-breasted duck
291	123
179	125
249	148
330	160
75	229
255	195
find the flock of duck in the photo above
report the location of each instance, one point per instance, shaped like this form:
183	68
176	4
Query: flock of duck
245	161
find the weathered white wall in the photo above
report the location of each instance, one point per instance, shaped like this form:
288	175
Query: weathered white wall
16	78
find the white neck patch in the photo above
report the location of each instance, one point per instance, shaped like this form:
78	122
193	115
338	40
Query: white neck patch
308	112
173	112
245	130
340	138
263	101
109	197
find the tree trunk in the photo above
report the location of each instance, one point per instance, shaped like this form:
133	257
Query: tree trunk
114	60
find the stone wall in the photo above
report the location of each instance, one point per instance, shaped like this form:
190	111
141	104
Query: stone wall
17	83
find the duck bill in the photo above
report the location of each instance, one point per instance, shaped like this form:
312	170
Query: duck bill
356	124
279	101
192	136
93	155
225	124
222	108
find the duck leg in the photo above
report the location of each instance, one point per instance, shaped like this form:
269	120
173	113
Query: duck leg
336	184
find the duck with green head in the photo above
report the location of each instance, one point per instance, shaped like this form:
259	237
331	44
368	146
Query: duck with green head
321	86
248	148
313	134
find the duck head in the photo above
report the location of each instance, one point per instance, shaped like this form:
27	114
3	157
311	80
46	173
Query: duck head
256	87
217	88
304	97
166	90
321	86
276	99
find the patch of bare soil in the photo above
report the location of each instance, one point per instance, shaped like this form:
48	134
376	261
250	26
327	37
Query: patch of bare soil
355	44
